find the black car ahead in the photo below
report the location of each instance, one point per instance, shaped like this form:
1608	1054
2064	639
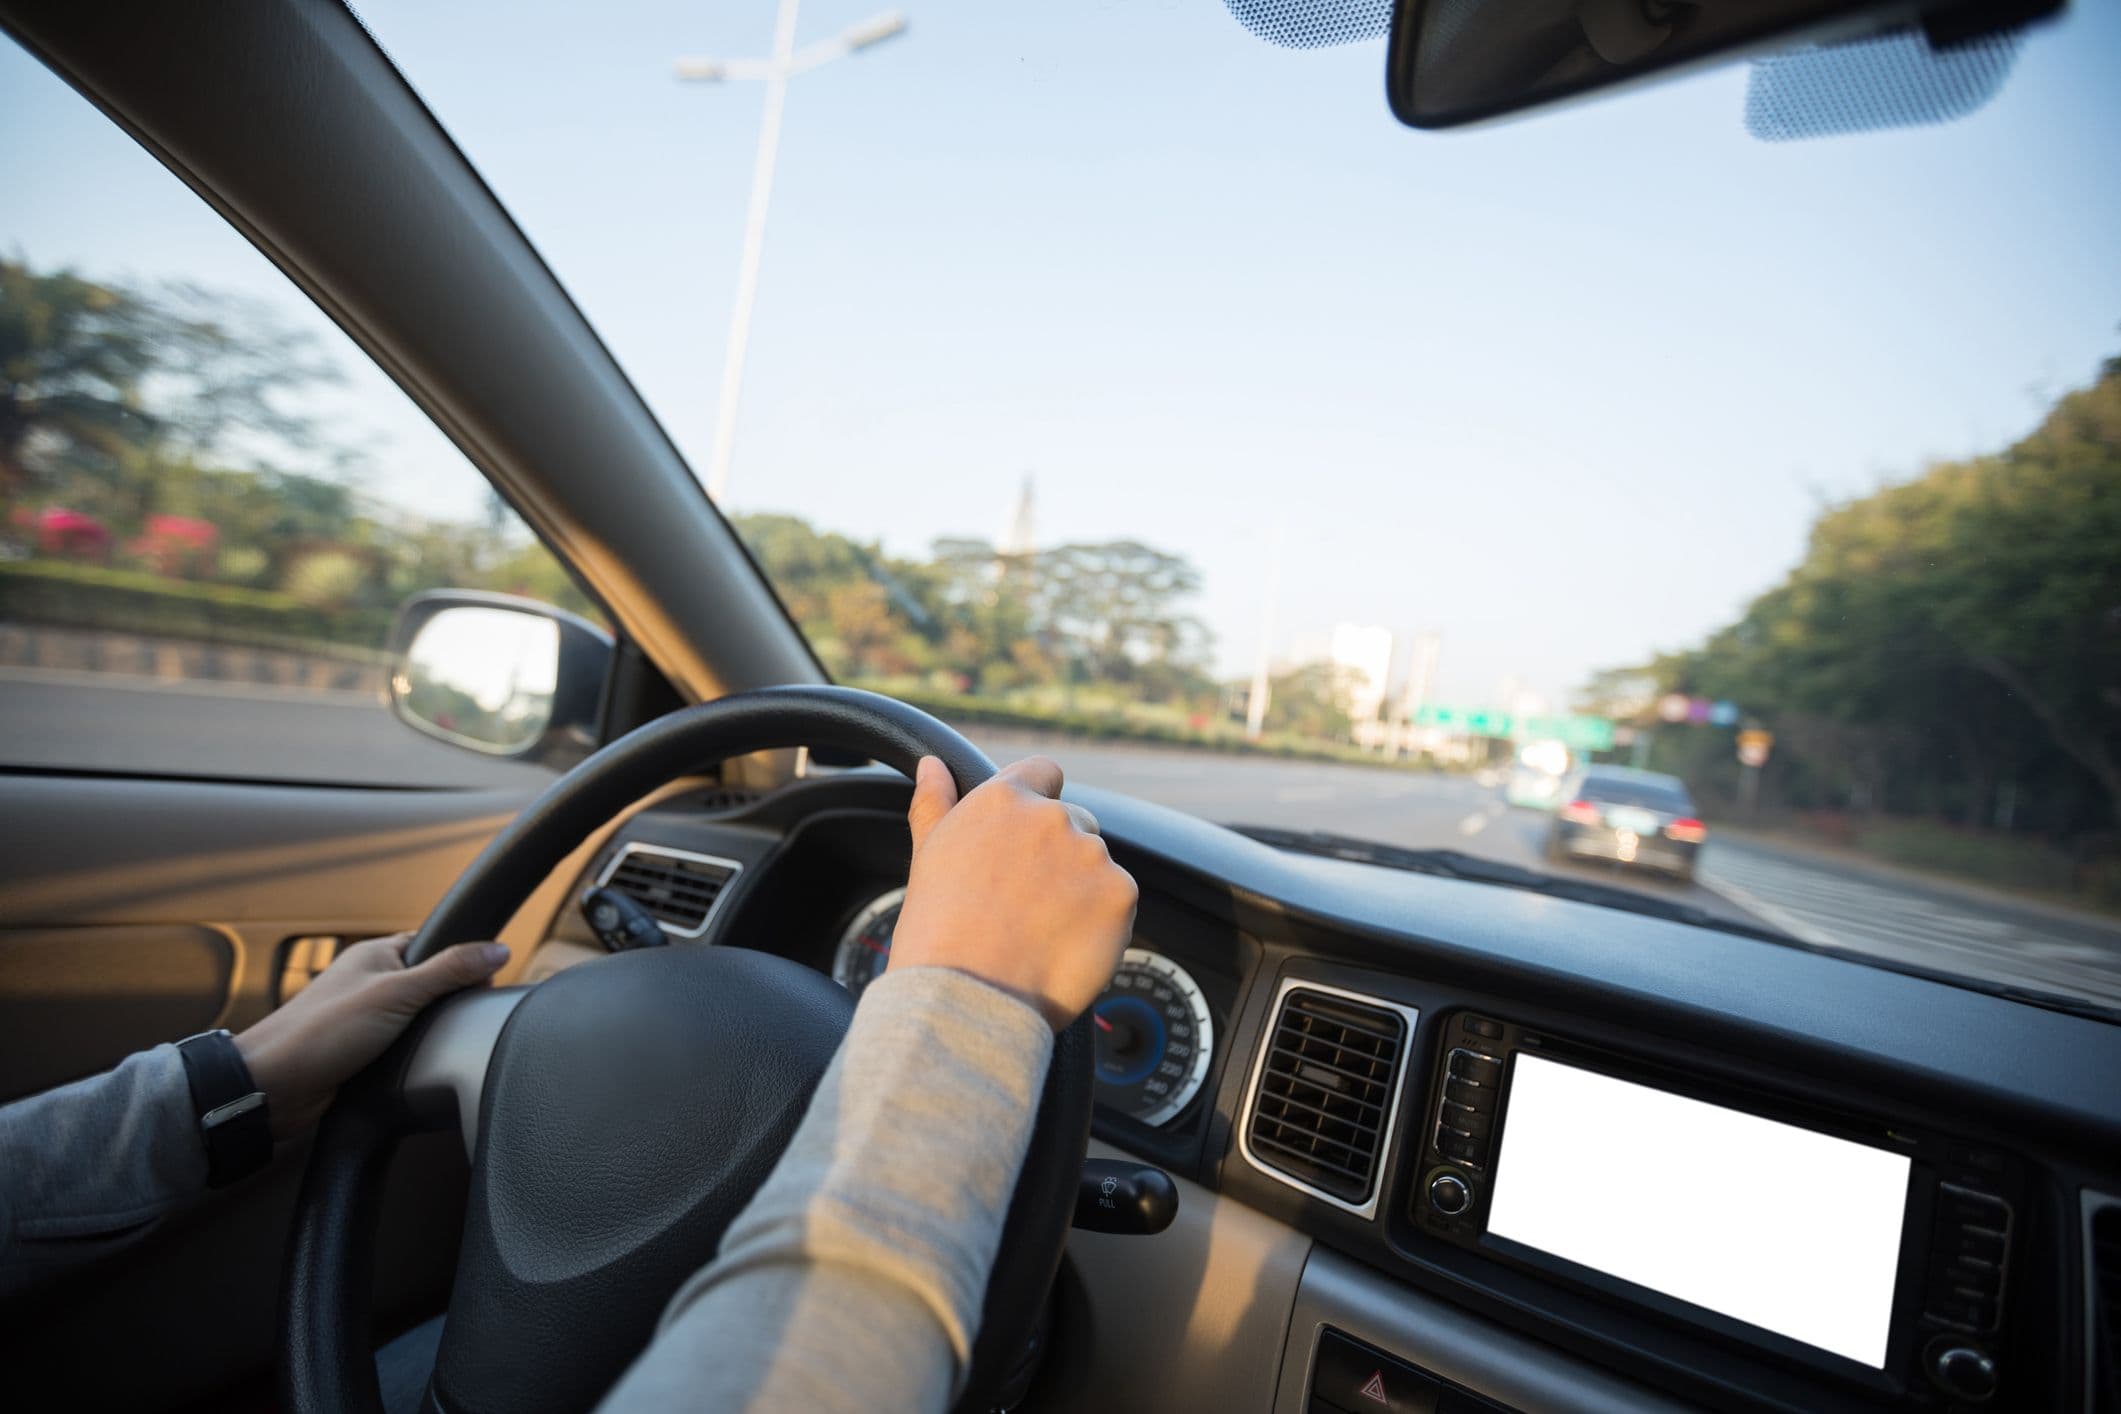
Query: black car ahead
1628	816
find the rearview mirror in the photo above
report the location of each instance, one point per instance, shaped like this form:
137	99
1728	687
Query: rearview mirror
499	675
1458	61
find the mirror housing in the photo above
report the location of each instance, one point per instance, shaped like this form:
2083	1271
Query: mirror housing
499	675
1460	61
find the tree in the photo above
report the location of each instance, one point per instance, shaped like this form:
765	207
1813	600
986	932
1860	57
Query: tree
1313	700
1116	605
102	379
1945	638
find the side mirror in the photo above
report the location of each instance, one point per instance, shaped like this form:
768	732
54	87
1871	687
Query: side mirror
499	675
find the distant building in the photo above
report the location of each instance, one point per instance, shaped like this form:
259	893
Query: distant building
1364	654
1021	538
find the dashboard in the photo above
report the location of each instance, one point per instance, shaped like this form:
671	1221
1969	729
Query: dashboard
1447	1146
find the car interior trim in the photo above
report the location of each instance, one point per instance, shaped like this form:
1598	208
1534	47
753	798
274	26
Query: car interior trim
2091	1203
663	851
1441	1337
1408	1015
1193	1318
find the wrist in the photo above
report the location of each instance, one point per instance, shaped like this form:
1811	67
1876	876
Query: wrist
231	1110
269	1073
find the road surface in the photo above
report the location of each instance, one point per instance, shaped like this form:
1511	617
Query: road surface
101	722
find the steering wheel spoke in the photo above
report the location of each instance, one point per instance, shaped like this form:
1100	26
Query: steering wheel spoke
444	1077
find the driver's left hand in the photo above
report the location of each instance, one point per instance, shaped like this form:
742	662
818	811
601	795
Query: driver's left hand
302	1053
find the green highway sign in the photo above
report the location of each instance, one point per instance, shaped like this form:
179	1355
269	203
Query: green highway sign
1577	733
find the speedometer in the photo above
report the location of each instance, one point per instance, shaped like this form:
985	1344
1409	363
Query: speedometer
1154	1035
1154	1038
865	945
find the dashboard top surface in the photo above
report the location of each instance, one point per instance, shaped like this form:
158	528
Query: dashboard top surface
2038	1067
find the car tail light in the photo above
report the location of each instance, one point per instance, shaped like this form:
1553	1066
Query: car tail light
1581	812
1687	831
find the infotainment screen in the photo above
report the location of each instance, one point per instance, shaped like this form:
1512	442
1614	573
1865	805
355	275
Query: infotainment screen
1782	1227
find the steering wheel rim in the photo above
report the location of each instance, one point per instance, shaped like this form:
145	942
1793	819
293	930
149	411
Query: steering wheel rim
326	1359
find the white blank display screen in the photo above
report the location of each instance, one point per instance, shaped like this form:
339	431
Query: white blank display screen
1785	1228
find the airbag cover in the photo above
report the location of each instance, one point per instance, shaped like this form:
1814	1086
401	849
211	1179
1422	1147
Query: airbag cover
632	1107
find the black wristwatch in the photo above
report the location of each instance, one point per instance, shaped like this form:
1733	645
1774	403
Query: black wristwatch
233	1122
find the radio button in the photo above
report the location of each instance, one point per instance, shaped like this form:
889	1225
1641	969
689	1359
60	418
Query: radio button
1463	1147
1483	1026
1957	1309
1964	1372
1467	1121
1471	1065
1962	1207
1471	1096
1449	1194
1964	1244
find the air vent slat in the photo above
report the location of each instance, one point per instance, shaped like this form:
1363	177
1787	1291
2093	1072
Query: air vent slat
1298	1060
680	891
1313	1161
1297	1139
1322	1103
1321	1111
1354	1023
1323	1096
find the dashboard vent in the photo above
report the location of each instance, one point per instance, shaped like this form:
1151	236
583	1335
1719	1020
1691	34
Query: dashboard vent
678	887
1323	1096
2103	1275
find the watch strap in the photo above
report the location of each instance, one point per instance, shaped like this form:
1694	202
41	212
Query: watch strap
234	1124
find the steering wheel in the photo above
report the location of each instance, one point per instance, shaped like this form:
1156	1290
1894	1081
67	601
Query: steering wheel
624	1111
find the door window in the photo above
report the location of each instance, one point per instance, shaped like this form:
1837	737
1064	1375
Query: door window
211	501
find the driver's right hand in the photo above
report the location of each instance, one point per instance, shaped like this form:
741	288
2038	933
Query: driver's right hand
1013	887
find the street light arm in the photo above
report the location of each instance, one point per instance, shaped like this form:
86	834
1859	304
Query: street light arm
852	40
718	70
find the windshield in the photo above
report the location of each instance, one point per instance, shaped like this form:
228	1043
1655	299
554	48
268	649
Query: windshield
1117	385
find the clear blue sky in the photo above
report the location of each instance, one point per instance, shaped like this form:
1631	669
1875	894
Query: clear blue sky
1568	389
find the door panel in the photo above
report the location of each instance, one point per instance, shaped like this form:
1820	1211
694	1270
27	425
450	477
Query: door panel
138	911
75	1001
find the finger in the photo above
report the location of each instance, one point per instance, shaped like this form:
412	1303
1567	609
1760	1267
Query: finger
450	970
1084	820
374	954
1039	774
933	795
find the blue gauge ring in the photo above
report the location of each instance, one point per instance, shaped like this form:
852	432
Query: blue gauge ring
1159	1040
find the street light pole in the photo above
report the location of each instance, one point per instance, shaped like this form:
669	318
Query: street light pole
785	63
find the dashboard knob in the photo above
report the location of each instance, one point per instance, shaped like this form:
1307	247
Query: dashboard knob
1449	1194
1964	1371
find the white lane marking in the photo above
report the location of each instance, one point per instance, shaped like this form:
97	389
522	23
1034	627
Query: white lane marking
1852	915
1473	824
192	687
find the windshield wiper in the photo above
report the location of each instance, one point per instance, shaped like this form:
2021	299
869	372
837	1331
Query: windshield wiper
1455	864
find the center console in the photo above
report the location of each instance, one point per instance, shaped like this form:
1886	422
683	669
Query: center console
1873	1254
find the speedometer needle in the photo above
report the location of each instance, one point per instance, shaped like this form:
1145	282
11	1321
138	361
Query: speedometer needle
1102	1024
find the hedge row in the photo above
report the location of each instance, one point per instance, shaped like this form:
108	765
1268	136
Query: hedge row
76	596
1003	712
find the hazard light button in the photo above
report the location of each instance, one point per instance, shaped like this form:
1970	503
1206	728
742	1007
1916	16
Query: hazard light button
1353	1379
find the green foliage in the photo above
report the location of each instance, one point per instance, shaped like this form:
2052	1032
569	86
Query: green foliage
129	601
970	619
1949	647
125	406
1312	700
